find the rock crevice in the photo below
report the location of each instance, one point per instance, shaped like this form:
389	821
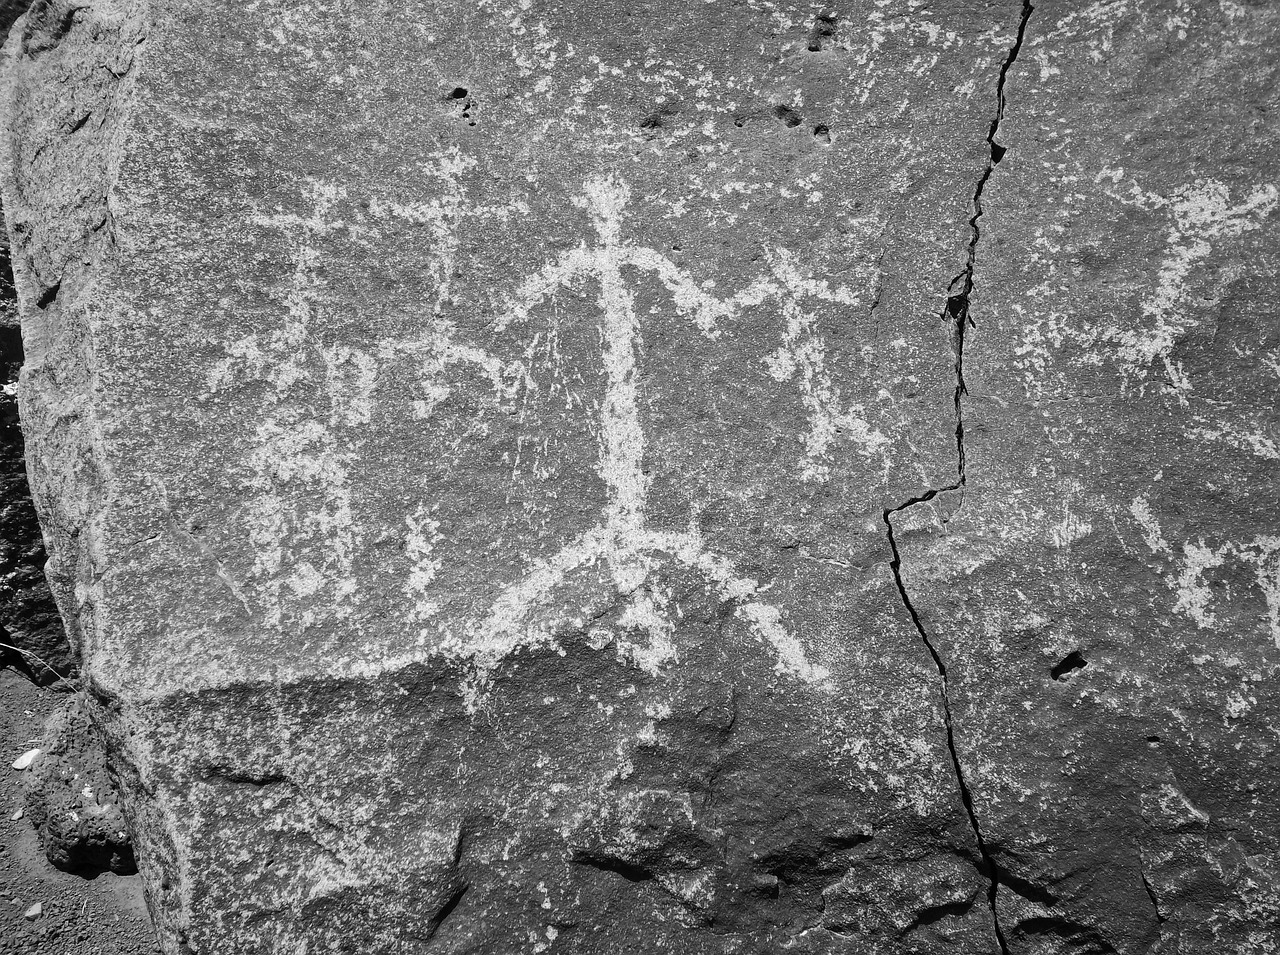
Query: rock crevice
956	311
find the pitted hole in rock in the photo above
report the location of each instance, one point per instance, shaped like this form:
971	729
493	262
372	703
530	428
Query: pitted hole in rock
1068	665
958	307
932	914
631	871
822	133
449	906
824	28
1069	934
463	95
1027	889
79	124
787	116
48	296
806	868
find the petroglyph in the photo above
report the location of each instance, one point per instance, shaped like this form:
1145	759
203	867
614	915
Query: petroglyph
619	558
802	356
303	549
301	552
304	553
437	348
1194	597
1202	212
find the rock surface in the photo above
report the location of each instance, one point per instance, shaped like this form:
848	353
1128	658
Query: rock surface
71	800
1106	589
104	915
32	638
732	477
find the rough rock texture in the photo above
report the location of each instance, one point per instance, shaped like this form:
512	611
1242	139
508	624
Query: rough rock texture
728	477
31	633
104	915
71	800
1105	590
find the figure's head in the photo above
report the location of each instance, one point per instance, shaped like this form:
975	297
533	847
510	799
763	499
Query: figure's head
604	197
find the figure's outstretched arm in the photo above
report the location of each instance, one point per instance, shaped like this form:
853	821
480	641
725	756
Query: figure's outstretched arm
706	309
544	283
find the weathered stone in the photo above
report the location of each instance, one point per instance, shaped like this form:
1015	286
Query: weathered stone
71	799
510	472
1106	590
31	634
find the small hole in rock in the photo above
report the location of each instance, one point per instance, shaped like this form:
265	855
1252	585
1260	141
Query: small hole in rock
824	28
787	116
49	296
1069	664
458	92
822	133
997	153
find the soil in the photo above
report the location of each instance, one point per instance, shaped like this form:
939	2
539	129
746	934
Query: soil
105	915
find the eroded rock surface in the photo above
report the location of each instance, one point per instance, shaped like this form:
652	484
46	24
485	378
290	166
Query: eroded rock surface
616	478
71	798
32	638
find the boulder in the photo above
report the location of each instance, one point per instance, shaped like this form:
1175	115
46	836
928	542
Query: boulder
71	798
623	478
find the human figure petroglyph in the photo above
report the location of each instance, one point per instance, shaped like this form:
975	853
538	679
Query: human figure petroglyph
296	446
802	356
616	564
302	553
620	558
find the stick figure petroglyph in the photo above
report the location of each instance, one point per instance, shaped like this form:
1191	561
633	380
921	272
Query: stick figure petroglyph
303	553
620	557
299	451
614	567
802	356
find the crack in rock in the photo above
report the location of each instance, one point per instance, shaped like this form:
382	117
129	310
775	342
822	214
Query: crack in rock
956	311
988	868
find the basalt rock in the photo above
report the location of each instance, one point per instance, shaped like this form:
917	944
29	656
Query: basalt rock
71	798
32	637
1105	588
616	477
31	631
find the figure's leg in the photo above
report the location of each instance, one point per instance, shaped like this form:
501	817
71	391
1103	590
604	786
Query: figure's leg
513	619
764	619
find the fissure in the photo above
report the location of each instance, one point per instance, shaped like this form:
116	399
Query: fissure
956	311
